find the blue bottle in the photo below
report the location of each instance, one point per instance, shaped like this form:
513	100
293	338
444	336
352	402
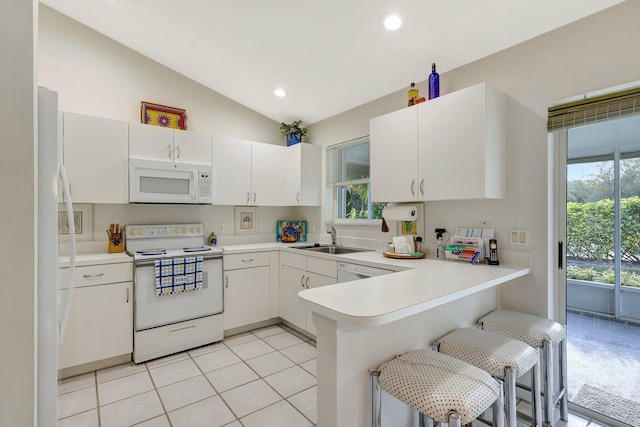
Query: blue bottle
434	83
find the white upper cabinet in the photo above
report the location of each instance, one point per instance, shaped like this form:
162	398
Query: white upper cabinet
304	162
448	148
463	136
393	142
268	174
248	173
96	158
169	145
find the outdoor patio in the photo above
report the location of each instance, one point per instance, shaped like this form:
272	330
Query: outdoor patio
604	366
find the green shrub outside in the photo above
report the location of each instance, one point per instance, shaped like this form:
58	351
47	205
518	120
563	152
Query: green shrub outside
604	275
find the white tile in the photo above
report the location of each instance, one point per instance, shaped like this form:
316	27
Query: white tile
279	415
166	360
211	412
77	401
169	374
207	349
307	403
185	392
269	363
84	419
252	349
311	366
291	381
239	339
131	411
250	397
283	340
216	360
231	376
269	330
300	353
119	371
76	383
124	387
161	421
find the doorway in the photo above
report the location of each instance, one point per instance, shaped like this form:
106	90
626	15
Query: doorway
600	208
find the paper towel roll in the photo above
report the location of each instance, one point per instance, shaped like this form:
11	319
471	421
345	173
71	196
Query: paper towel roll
400	213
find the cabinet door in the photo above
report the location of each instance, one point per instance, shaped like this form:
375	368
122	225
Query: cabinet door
303	184
393	161
316	281
246	296
100	324
191	147
150	142
291	309
231	171
462	160
96	158
268	172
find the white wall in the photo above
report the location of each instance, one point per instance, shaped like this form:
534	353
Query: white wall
17	251
597	52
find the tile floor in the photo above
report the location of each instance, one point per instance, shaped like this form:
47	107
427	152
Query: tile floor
261	378
266	378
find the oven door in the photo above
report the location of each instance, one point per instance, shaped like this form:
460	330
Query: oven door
151	311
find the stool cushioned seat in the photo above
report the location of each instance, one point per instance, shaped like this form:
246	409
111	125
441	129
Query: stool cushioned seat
436	384
488	351
533	330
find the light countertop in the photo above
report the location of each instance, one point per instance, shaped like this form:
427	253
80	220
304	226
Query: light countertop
93	258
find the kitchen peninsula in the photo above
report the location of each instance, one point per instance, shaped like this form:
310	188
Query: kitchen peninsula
361	324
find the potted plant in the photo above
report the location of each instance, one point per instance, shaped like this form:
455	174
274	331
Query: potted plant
292	132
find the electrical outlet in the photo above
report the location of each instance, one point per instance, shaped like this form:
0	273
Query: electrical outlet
312	227
220	228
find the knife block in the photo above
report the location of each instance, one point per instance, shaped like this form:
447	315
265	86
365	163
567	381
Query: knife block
116	243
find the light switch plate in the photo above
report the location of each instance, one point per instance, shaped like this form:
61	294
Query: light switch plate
518	237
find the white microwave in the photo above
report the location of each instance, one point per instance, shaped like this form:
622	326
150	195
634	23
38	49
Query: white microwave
152	181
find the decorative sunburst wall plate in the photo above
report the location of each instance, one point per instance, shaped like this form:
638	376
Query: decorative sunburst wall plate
164	116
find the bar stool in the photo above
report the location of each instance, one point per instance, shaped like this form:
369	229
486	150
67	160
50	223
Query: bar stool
543	334
439	387
504	358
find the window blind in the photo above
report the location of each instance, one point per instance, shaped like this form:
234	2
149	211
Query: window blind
349	163
598	109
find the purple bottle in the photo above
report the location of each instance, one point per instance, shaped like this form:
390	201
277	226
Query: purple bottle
434	83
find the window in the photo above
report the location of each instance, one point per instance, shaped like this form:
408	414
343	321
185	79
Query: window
348	182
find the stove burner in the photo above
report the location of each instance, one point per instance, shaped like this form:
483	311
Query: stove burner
150	252
196	248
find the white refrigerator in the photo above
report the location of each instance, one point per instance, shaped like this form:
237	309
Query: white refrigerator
50	323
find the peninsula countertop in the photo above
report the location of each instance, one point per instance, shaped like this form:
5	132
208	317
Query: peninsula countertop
384	299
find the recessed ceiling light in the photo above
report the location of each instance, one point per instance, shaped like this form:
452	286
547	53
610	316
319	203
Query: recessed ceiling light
279	92
392	21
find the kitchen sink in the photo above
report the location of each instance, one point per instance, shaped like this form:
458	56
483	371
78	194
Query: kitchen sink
335	250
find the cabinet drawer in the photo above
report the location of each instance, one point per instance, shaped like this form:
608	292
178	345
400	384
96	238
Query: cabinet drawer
90	275
253	259
294	260
322	266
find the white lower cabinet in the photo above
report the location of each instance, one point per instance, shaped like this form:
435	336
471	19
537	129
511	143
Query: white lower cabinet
100	324
300	272
247	289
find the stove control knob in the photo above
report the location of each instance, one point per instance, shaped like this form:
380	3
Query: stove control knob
176	230
191	230
132	231
198	229
184	229
141	232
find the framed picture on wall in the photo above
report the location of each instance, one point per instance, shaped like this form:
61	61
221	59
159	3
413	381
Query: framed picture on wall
246	220
82	220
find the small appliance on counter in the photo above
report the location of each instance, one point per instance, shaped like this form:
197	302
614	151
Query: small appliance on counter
493	252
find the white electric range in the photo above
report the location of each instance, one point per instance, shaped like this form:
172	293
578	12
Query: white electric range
178	294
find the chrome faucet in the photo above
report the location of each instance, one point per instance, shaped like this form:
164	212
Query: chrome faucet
331	230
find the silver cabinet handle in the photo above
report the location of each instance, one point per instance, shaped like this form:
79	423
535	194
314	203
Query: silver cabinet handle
422	186
226	281
254	197
298	196
413	183
170	151
248	196
247	260
178	150
301	279
92	276
307	282
127	295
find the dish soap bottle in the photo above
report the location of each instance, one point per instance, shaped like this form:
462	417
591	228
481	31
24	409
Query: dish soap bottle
434	82
412	94
212	240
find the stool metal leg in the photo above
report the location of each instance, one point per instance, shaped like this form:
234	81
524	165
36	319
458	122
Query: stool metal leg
536	402
564	407
376	400
454	419
510	397
549	404
498	408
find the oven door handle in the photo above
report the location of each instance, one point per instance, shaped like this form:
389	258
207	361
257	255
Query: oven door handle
153	261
